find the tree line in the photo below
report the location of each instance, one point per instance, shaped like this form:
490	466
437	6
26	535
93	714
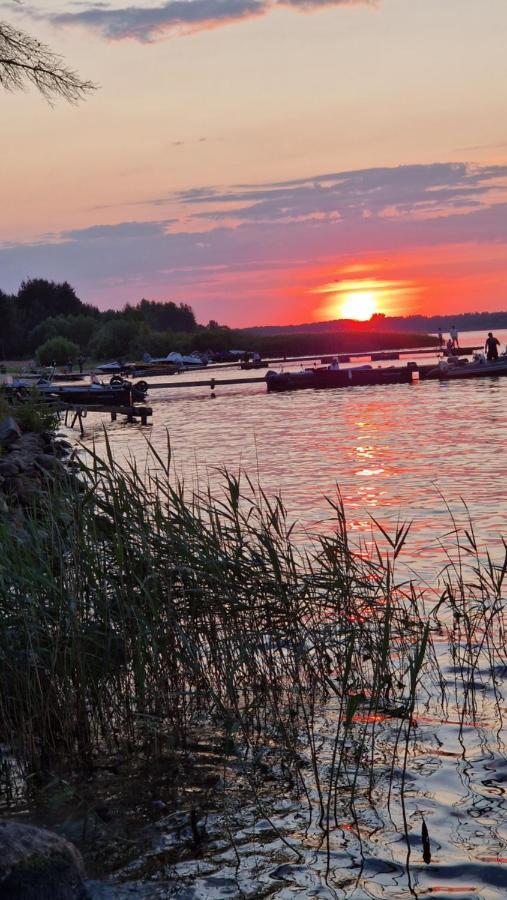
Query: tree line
43	311
48	321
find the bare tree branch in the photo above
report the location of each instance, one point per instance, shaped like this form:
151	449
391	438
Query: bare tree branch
24	60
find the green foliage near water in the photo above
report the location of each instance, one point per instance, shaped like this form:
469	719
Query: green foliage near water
57	350
29	411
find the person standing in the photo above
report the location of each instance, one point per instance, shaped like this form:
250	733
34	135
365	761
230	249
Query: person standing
491	347
453	334
440	338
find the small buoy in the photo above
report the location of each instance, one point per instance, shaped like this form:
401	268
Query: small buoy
213	395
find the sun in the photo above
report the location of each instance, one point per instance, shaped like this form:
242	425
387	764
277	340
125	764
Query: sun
359	305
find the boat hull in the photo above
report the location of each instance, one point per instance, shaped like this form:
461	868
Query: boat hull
109	395
327	378
474	370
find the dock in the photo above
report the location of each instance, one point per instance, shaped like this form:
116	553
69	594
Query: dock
212	383
75	413
372	355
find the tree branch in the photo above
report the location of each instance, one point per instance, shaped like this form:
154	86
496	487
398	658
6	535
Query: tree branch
25	60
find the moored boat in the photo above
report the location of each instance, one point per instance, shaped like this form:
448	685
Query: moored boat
480	367
119	393
334	377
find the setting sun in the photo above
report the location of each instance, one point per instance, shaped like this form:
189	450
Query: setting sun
360	305
362	298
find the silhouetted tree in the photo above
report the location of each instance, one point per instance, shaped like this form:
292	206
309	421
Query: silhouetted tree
37	299
167	316
24	59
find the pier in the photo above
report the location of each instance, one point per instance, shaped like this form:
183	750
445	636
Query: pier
74	414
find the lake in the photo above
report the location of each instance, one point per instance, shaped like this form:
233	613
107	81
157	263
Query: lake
417	453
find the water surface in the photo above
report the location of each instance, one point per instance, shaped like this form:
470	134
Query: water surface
419	453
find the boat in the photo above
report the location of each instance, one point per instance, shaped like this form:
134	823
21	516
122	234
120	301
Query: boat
118	393
480	367
116	368
34	377
254	364
334	377
177	360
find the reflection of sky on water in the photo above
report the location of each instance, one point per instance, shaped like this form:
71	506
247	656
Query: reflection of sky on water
400	453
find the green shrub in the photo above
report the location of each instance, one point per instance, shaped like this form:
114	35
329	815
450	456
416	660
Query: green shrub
31	412
56	350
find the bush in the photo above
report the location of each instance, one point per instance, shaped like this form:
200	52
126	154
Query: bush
56	350
32	413
119	338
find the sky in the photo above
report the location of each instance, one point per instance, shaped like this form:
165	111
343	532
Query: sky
266	161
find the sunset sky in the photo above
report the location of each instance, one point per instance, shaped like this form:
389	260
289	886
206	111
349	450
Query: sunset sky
266	161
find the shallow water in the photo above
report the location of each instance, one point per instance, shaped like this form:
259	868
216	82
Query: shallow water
411	452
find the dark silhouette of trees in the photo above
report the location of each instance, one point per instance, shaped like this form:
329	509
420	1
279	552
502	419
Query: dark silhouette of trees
37	299
167	316
25	60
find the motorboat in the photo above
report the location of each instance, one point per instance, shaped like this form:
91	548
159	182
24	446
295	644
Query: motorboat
479	367
34	377
178	360
119	392
115	368
335	377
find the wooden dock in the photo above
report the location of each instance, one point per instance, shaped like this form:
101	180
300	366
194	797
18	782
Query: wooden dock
212	383
373	355
75	413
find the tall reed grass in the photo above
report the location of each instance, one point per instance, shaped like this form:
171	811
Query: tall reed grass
134	614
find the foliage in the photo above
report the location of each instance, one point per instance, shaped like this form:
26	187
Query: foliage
37	299
56	350
79	329
131	610
120	337
167	316
133	614
30	412
43	310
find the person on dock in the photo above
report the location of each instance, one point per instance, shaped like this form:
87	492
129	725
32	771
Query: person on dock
451	351
335	365
80	362
491	347
440	337
453	334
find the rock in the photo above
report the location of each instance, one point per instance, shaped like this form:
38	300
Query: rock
62	448
8	468
49	463
36	864
24	461
9	431
30	443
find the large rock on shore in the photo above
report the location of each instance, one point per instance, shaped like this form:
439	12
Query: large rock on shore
9	431
36	864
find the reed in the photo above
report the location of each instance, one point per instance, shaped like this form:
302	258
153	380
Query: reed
135	614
